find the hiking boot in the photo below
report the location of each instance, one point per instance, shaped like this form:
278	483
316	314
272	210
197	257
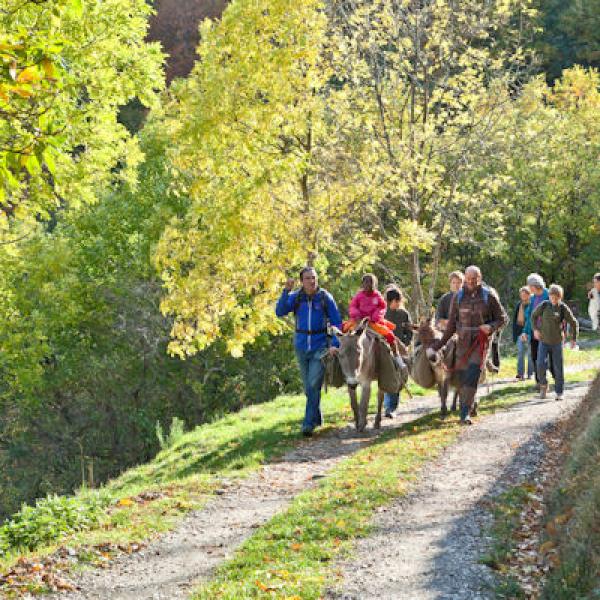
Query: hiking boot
466	421
519	376
388	415
307	433
559	397
543	391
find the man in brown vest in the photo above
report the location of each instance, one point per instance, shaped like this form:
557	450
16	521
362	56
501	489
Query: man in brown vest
475	314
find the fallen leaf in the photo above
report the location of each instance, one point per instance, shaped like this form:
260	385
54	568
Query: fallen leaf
546	546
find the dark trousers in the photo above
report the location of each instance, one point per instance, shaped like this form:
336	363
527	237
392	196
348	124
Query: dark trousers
535	344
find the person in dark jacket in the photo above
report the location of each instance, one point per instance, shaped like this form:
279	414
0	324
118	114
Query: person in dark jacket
442	314
400	317
476	313
314	308
518	325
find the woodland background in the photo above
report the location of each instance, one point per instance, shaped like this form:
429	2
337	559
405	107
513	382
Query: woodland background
147	223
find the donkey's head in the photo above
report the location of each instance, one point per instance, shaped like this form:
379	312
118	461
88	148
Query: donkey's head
356	354
426	332
348	355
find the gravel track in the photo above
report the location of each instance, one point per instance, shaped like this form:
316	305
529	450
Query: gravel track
169	566
427	545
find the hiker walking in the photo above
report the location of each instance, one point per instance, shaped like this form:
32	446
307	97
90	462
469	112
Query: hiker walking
442	314
522	342
314	308
537	287
397	314
548	321
475	314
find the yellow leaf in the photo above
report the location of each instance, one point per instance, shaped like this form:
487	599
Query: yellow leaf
296	547
561	519
21	92
28	75
48	68
126	502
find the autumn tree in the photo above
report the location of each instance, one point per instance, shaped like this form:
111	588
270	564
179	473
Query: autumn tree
427	86
66	66
253	145
556	201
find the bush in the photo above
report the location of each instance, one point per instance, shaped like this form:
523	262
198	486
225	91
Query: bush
175	434
50	519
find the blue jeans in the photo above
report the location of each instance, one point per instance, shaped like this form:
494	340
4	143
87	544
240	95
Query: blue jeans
390	402
555	352
523	349
312	372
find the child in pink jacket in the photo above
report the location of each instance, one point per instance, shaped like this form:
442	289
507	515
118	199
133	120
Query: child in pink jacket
369	303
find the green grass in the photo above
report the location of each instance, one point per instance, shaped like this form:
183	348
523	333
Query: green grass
292	555
506	510
185	475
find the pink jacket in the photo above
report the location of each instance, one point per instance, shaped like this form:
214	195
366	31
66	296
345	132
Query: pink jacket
370	305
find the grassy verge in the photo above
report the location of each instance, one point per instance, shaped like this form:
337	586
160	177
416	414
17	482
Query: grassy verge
506	510
292	555
573	517
152	498
569	526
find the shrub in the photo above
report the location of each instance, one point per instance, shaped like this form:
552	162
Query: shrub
50	519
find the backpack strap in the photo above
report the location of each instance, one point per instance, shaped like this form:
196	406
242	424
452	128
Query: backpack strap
485	293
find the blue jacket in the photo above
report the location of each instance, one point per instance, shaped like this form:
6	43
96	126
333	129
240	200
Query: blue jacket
311	317
533	303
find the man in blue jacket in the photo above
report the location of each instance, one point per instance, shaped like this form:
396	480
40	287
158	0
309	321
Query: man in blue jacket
313	309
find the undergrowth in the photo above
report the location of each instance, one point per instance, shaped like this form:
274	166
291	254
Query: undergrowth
573	517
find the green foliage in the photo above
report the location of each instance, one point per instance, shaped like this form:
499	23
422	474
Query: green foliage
51	519
65	68
552	207
175	433
570	35
83	365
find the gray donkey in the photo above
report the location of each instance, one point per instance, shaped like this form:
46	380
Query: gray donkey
365	357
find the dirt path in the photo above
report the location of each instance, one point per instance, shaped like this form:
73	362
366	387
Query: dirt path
427	546
169	566
172	564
